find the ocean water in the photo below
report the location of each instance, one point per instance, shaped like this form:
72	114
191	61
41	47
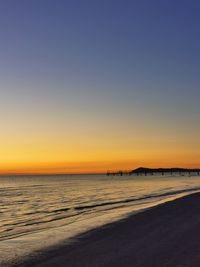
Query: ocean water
41	211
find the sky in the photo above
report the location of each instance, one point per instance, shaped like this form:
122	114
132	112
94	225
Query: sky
91	86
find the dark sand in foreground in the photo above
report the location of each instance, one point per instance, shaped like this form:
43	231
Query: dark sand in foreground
166	235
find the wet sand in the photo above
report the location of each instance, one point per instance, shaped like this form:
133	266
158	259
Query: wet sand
166	235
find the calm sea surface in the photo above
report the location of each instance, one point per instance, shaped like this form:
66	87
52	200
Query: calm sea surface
40	211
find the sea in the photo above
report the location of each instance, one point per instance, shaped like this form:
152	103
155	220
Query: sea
41	212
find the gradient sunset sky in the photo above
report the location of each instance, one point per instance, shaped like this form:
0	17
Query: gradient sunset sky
91	86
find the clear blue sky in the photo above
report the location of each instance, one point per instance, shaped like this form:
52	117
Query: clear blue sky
69	69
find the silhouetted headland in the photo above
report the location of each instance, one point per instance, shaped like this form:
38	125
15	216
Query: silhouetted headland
154	171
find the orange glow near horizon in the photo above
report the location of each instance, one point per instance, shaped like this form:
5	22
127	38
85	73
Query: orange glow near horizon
85	167
37	146
90	157
86	155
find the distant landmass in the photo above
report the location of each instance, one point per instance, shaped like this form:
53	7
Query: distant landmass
162	171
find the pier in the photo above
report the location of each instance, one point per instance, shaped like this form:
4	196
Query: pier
158	171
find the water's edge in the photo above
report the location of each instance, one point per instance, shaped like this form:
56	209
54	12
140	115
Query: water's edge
65	245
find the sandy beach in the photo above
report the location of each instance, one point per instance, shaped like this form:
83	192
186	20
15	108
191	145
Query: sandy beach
166	235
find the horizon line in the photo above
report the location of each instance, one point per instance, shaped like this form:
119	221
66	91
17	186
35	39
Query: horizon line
86	173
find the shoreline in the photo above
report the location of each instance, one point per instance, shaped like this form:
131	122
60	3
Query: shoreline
164	235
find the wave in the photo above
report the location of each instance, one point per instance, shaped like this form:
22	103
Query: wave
166	194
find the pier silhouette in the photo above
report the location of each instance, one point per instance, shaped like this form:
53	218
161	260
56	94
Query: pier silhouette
158	171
